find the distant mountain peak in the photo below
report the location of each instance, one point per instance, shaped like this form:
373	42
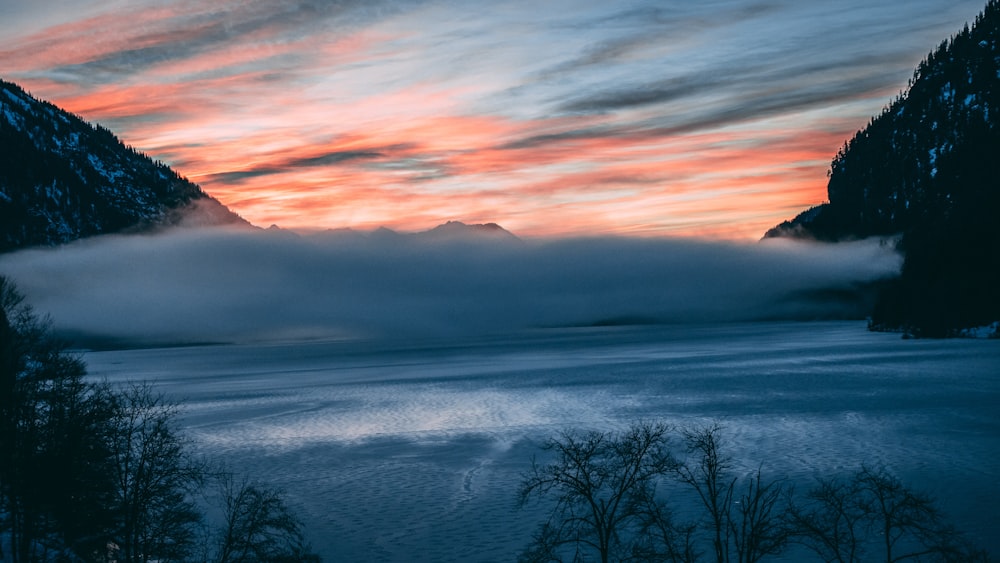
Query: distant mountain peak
458	229
62	178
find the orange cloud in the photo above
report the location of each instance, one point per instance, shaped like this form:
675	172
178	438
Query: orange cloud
452	168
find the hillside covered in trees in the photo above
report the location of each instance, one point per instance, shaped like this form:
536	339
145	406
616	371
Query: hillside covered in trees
928	170
62	179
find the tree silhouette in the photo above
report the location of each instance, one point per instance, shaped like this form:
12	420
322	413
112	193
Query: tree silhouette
758	527
155	480
603	484
708	475
747	525
873	515
92	473
258	526
54	458
607	506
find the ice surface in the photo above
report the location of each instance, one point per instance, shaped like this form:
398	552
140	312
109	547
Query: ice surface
413	450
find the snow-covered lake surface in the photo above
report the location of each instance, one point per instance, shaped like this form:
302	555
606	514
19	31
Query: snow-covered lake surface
413	451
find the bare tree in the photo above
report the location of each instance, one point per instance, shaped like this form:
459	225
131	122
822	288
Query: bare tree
745	527
603	483
607	504
758	525
707	472
873	512
155	479
258	526
663	539
831	523
908	523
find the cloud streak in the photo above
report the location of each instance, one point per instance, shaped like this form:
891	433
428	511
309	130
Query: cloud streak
296	163
216	285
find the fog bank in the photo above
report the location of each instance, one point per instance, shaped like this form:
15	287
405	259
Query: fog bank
215	285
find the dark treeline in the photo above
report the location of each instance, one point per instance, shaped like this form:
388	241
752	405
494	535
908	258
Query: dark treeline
93	473
615	496
928	169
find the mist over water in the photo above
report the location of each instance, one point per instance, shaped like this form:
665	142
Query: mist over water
217	285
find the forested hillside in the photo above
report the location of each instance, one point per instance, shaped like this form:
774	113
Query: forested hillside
62	179
928	169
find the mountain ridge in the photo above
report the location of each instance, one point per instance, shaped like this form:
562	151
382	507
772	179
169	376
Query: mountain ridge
62	178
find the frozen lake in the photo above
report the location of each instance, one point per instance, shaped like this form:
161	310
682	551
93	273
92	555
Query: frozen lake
413	450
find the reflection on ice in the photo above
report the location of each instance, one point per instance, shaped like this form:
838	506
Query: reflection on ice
381	411
413	450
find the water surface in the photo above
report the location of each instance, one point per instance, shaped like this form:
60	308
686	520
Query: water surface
412	450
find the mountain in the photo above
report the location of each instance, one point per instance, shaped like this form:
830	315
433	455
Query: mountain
928	171
450	232
457	230
62	179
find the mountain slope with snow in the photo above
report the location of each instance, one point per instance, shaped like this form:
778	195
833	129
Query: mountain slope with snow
928	169
62	179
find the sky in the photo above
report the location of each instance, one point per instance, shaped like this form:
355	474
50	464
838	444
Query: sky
557	118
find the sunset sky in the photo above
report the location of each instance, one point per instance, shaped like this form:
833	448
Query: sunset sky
715	118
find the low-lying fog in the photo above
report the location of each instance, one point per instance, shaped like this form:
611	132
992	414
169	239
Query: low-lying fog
216	285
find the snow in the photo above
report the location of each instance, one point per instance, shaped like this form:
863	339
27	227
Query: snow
60	227
947	93
53	193
14	119
17	100
99	167
991	330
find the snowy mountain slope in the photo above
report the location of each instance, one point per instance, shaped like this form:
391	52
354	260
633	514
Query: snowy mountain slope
928	169
62	179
